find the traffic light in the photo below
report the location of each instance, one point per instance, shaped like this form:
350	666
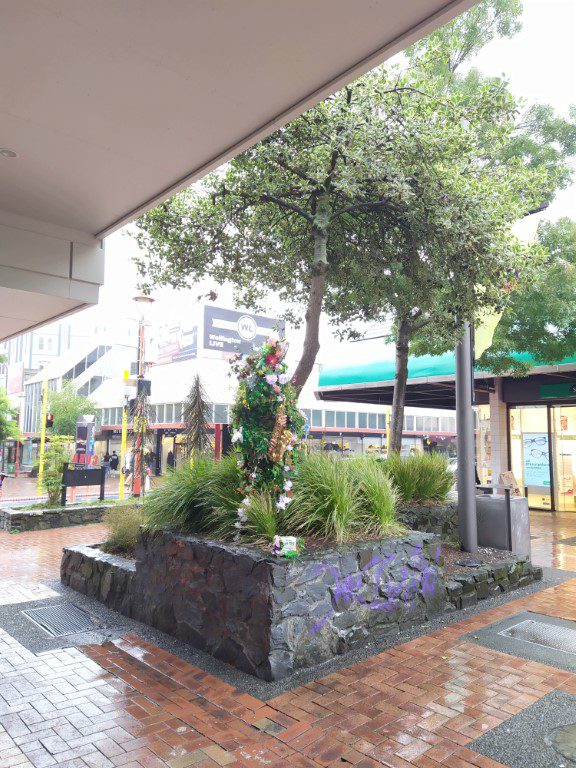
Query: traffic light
144	387
49	420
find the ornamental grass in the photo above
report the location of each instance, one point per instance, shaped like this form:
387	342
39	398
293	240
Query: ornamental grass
421	478
333	499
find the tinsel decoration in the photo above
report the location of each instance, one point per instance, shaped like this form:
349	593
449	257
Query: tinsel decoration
266	424
277	440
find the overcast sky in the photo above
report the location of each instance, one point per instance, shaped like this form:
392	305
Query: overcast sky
540	63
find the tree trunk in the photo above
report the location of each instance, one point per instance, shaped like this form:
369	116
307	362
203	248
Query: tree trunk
397	419
311	344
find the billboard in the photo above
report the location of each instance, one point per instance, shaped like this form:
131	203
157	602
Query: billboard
228	332
15	379
177	342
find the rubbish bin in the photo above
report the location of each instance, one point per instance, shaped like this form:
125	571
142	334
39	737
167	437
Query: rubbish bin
495	531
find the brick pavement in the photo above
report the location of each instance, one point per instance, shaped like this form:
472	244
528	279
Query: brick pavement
129	703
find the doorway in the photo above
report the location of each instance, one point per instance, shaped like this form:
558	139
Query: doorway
564	456
543	454
530	454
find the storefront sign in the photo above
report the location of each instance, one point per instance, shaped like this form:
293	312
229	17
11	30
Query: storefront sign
558	391
228	331
536	459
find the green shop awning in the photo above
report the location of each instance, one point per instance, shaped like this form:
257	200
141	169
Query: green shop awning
430	380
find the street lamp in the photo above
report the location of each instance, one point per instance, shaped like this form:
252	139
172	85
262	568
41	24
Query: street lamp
144	302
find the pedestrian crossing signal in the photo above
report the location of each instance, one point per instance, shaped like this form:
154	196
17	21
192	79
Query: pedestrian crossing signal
49	420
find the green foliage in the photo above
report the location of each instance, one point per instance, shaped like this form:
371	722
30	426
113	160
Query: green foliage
423	478
325	502
342	500
57	452
196	430
262	520
333	499
123	525
379	498
460	39
178	503
540	316
222	495
8	418
67	406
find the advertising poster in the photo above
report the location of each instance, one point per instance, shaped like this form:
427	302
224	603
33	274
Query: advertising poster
229	332
15	379
177	342
536	459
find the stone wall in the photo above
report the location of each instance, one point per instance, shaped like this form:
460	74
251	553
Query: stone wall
95	573
465	588
22	519
438	518
265	615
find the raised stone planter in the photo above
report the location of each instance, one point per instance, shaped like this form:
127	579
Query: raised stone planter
438	518
465	588
108	578
22	519
265	615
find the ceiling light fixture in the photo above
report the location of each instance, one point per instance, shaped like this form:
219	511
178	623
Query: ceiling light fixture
8	153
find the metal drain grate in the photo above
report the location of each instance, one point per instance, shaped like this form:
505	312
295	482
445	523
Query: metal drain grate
547	635
62	619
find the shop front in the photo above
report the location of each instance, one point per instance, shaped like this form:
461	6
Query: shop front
543	454
526	426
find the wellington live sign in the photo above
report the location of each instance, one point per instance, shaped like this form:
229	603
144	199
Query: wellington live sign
229	331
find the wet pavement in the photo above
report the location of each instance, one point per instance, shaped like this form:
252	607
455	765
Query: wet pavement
23	490
130	702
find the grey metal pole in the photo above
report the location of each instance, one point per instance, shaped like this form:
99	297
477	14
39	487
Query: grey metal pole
466	475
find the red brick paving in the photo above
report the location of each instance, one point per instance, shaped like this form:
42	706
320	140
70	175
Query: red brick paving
131	704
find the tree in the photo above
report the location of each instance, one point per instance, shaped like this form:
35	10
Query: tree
294	214
8	418
459	40
57	453
67	406
396	195
196	430
540	316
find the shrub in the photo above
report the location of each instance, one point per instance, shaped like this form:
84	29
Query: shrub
178	503
222	496
264	519
333	499
56	454
328	499
378	496
123	525
422	478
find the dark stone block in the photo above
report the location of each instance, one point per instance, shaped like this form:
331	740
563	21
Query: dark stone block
468	599
482	590
523	581
537	573
454	589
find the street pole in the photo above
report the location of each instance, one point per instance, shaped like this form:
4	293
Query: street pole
388	417
466	475
140	416
18	444
123	444
43	413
